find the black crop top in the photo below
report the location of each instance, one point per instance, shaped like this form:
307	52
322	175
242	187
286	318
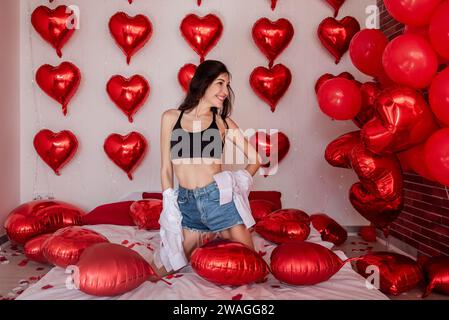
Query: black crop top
203	144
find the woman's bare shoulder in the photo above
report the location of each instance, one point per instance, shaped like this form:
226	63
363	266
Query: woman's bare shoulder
170	115
231	123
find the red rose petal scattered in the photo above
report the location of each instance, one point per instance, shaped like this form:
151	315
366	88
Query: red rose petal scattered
150	247
178	275
13	247
262	253
3	259
275	286
48	286
40	269
125	242
33	278
353	243
237	297
23	263
132	245
170	276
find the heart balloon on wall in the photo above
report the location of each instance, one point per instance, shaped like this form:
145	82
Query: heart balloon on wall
128	94
55	149
336	35
273	4
270	146
55	26
272	37
130	33
201	33
126	152
33	249
185	75
270	85
336	4
60	82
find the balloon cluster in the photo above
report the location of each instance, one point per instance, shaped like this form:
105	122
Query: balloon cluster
401	113
56	26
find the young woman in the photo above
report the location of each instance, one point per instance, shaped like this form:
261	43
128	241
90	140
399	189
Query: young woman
192	141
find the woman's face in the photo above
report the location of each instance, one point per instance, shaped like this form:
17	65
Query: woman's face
217	91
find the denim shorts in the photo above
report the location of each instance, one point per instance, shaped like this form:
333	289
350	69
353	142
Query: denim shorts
201	209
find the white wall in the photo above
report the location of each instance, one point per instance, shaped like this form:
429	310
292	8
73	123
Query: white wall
305	179
9	109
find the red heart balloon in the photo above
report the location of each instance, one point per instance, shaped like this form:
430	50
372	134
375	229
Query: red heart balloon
128	94
201	33
336	4
304	263
368	233
66	245
33	249
437	274
338	152
40	216
328	76
370	91
226	262
264	146
336	35
198	2
56	149
55	26
273	4
403	120
398	273
126	151
272	37
261	208
329	229
284	225
146	213
130	33
109	269
60	82
271	84
185	75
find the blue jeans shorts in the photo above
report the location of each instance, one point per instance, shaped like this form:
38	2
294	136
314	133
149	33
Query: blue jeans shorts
201	209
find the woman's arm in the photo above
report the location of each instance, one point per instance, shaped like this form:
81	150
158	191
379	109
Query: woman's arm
167	120
236	136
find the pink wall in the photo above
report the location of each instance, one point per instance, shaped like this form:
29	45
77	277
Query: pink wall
9	109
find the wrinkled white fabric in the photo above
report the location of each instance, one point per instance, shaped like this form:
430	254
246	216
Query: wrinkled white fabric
236	186
171	252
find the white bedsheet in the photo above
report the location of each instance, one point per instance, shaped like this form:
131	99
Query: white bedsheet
187	285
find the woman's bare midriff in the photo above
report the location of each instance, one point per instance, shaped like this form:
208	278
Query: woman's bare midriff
196	172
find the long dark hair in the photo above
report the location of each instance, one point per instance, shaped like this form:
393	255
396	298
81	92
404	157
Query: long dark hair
205	74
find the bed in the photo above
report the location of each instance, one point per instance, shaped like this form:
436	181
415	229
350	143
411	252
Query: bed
187	285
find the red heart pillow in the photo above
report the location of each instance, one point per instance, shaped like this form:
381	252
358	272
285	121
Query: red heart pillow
111	213
272	196
152	195
146	213
226	262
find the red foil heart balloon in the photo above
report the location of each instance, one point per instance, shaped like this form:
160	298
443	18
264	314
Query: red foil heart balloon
284	225
56	149
379	196
185	75
273	4
201	33
329	229
398	273
66	245
336	4
272	37
33	249
436	270
146	213
269	146
128	94
338	152
336	35
261	208
270	85
126	152
304	263
370	91
130	33
38	217
55	26
327	76
403	120
199	2
60	82
226	262
109	269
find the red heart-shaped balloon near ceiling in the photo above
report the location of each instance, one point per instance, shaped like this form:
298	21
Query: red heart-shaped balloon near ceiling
60	82
185	75
273	4
336	35
198	2
56	149
128	94
126	152
55	26
271	84
130	33
272	37
336	4
201	33
268	146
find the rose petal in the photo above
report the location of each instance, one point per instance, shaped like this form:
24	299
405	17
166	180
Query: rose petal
125	242
237	297
48	286
23	263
